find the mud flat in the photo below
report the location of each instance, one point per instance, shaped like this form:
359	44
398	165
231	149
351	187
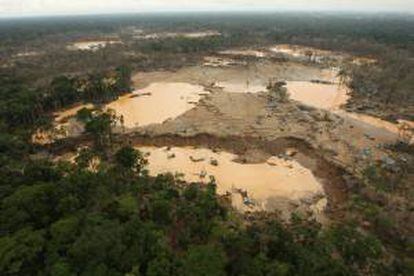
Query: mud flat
200	34
214	61
257	73
240	87
307	53
303	53
332	97
163	35
246	53
309	85
276	184
171	100
91	45
341	138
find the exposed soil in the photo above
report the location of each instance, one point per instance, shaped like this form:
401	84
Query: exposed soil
330	175
280	184
92	45
322	138
252	115
141	35
257	71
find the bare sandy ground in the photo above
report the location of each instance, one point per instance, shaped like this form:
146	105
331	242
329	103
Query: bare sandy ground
341	139
248	114
91	45
251	115
141	35
259	72
277	184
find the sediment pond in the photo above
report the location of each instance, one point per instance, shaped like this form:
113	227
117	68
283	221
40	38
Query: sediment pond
157	103
277	184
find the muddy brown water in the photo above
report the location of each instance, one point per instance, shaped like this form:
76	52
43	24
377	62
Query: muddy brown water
157	103
325	96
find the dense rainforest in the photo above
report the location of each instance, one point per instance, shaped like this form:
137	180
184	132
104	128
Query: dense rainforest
62	218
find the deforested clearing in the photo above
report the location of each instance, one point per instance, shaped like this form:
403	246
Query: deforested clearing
207	144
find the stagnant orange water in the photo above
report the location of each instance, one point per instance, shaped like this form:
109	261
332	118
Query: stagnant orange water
157	103
325	96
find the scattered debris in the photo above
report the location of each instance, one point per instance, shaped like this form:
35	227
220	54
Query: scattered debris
213	162
195	160
322	82
291	152
390	164
140	95
369	137
171	156
203	174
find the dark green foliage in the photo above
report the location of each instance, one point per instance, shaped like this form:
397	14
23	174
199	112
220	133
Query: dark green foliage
100	127
84	158
117	221
84	115
204	260
129	158
18	104
64	92
354	247
104	86
123	79
20	252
